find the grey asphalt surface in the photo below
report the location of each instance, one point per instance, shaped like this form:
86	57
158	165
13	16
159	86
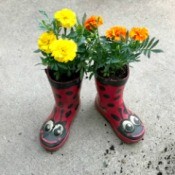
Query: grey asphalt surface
92	148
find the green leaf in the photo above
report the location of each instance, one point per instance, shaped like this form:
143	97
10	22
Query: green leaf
45	54
81	40
143	45
57	75
78	21
62	66
150	43
44	13
137	54
42	27
37	51
149	53
54	26
154	44
52	66
84	18
55	67
65	31
145	52
114	61
81	74
72	30
69	73
157	50
38	64
108	60
90	76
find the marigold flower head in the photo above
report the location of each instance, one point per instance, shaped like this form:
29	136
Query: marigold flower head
66	17
116	33
63	50
45	40
139	33
93	22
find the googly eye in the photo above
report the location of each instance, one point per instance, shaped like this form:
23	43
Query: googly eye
48	126
128	126
135	120
58	130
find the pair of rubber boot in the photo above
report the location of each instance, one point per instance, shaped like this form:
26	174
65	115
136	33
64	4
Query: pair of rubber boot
109	102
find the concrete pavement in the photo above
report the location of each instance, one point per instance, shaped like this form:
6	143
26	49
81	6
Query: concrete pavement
92	148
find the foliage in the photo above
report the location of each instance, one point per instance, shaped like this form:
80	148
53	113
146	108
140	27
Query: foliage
111	54
69	46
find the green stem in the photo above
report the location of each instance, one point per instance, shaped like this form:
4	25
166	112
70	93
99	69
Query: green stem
65	31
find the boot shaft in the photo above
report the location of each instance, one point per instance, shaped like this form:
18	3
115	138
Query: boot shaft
110	91
66	95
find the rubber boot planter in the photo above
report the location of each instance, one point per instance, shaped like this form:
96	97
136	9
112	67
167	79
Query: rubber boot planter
109	102
56	128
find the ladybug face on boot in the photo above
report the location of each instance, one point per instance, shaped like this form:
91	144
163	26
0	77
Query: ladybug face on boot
131	127
53	133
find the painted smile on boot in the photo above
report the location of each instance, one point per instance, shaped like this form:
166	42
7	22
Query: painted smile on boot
132	128
52	134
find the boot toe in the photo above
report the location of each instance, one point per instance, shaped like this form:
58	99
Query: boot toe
131	130
137	134
52	139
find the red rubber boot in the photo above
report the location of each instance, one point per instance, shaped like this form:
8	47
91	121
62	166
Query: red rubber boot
56	128
109	102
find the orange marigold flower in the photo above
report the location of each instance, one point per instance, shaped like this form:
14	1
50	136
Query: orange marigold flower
139	33
93	22
116	33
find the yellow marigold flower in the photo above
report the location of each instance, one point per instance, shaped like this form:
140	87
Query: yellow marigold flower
66	17
139	33
63	50
45	40
116	33
93	22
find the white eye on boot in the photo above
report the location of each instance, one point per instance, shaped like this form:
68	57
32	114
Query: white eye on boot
135	120
48	126
128	126
58	130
